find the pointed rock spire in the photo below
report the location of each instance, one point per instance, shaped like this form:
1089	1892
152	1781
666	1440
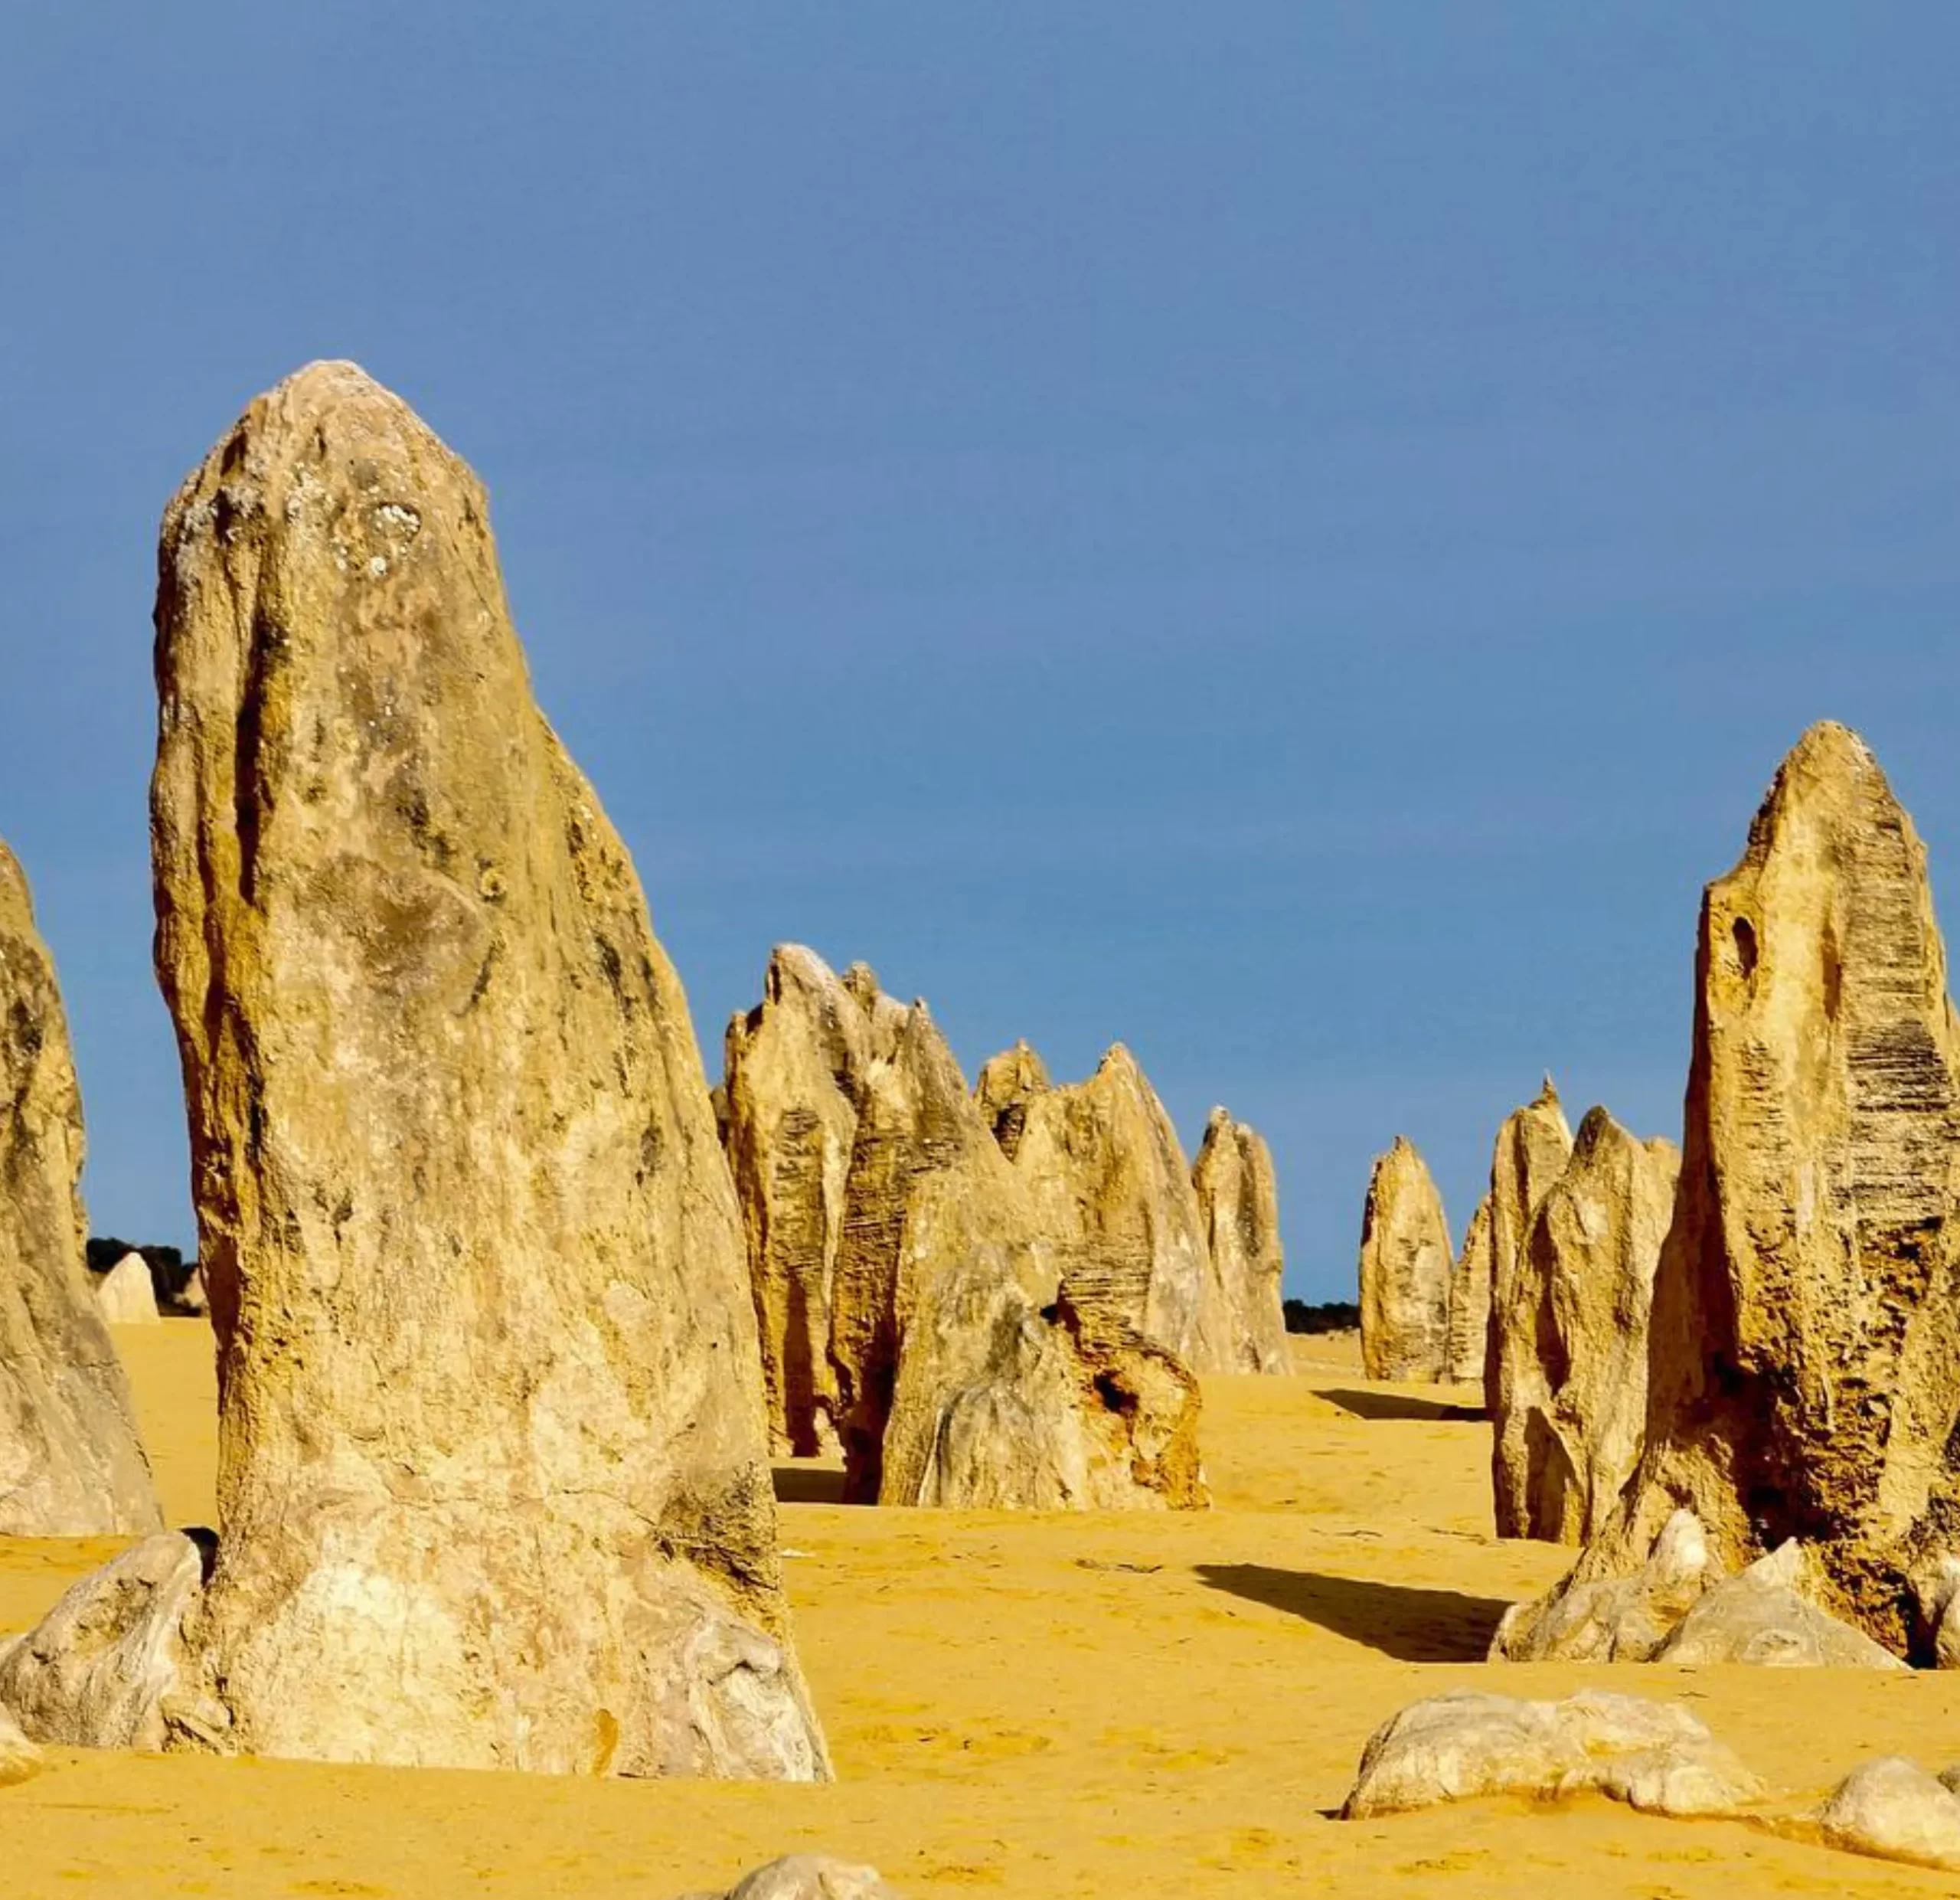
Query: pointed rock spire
1405	1270
1805	1360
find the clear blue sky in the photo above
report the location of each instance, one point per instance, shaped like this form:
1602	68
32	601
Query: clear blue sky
1293	535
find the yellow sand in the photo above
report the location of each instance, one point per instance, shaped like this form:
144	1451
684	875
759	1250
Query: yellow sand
1147	1705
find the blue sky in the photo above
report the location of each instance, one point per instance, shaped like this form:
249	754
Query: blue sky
1291	536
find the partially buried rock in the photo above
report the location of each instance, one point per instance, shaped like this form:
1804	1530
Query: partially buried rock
126	1293
70	1463
1765	1615
1570	1404
1470	1299
19	1757
1804	1366
807	1877
1619	1619
1892	1809
493	1484
1238	1197
1405	1271
1655	1756
105	1667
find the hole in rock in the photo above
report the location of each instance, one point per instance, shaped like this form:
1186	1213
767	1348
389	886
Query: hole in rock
1744	932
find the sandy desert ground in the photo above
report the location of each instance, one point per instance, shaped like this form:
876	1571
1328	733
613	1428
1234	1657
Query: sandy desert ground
1046	1707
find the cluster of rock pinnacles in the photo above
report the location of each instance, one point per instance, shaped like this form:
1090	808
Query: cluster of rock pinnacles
1731	1374
509	1312
506	1313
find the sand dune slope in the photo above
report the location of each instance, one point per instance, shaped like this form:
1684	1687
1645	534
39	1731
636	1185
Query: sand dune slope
1042	1708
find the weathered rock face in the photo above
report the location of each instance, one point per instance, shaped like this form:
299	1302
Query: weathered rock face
964	1376
1571	1402
1804	1371
492	1486
70	1463
795	1080
1532	1149
1002	1404
1470	1299
1238	1199
1007	1082
1405	1270
1109	1184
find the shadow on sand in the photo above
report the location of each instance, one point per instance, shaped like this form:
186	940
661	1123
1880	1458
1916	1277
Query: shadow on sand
808	1484
1411	1626
1400	1405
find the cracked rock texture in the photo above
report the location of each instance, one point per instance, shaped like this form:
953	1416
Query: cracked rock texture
795	1077
1111	1189
1238	1199
1570	1404
1008	1082
1532	1149
967	1375
1405	1268
1804	1368
1470	1300
71	1463
493	1484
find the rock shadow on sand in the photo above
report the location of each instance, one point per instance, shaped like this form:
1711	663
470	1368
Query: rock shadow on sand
808	1484
1409	1625
1379	1405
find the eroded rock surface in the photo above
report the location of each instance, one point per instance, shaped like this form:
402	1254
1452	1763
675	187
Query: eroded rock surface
1001	1404
967	1374
1765	1614
1238	1199
493	1484
1111	1189
1405	1267
71	1463
1655	1756
107	1667
1805	1361
1616	1619
794	1082
1533	1146
1008	1082
1470	1299
1569	1406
